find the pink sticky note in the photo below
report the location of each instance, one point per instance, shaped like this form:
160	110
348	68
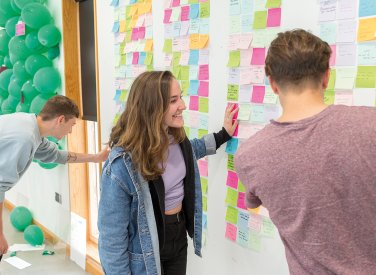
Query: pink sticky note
135	34
20	28
175	3
258	56
231	231
232	179
241	201
193	103
274	17
236	130
136	56
185	13
203	73
167	16
203	89
332	60
141	32
203	167
235	105
258	94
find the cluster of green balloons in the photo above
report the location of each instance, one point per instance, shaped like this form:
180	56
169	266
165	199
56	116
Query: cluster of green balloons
28	79
21	219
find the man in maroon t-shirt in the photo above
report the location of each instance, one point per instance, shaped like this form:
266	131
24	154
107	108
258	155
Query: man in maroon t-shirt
314	168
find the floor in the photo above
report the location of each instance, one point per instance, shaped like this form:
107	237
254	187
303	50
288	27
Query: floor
58	263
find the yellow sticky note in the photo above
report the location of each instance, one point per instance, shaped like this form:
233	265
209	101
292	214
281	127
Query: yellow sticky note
255	210
366	77
273	4
367	29
204	203
204	38
202	132
133	10
194	41
230	162
232	215
149	59
232	92
203	104
184	73
176	59
167	47
122	26
231	197
204	185
149	45
204	9
234	59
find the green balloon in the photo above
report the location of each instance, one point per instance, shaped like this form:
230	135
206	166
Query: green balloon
33	44
1	60
35	15
47	80
6	7
14	87
3	93
53	52
7	62
4	41
10	26
47	165
20	218
9	105
34	235
5	79
14	7
35	62
22	3
19	70
49	35
29	92
38	102
23	107
18	48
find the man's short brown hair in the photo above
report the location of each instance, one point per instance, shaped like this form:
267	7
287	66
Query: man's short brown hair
57	106
297	56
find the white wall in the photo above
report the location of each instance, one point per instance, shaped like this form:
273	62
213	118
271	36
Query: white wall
220	256
36	189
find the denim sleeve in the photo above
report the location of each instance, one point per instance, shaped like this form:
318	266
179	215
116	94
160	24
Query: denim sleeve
113	220
204	146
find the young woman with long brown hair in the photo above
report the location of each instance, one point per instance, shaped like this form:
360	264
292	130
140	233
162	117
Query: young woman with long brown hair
151	190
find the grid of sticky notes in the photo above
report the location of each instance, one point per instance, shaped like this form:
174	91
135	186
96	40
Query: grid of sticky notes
186	54
133	44
253	25
349	27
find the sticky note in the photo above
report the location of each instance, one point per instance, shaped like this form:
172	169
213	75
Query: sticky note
258	94
366	77
259	20
203	89
203	104
232	215
274	17
193	103
230	232
232	178
232	92
231	197
234	59
232	146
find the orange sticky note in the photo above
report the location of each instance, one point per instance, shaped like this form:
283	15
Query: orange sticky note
194	41
149	45
134	10
367	29
122	26
204	38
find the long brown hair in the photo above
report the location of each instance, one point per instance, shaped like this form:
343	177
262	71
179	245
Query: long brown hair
140	128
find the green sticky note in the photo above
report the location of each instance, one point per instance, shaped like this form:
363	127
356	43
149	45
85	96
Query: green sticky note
244	111
176	72
268	227
254	242
230	162
259	19
128	11
128	25
204	203
204	185
176	58
273	4
234	59
149	58
241	187
332	79
204	9
232	215
232	92
121	48
184	73
193	1
202	132
167	47
366	77
128	36
186	130
184	87
123	59
203	104
231	197
329	97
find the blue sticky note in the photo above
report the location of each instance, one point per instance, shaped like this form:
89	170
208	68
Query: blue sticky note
367	8
232	146
117	95
141	59
114	3
193	57
204	221
133	1
267	81
193	87
194	11
247	23
116	26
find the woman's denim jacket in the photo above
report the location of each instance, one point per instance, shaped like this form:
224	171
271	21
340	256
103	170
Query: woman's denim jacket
128	237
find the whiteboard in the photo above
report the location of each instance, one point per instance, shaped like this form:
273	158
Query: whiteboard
220	256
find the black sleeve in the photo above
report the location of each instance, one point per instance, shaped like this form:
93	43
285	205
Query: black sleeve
221	137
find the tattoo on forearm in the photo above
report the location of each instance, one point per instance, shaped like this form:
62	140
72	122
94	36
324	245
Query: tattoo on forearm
71	157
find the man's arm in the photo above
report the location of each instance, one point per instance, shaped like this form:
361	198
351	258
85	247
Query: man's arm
81	157
3	241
